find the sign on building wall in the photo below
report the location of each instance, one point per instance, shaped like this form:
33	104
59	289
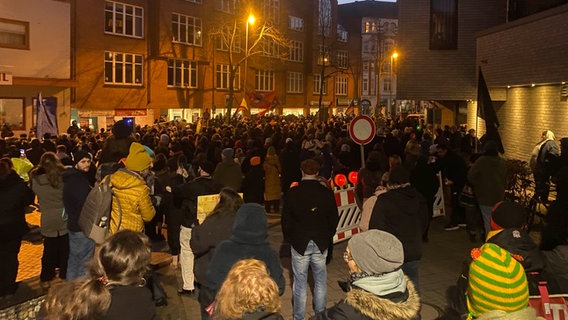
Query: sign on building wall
5	78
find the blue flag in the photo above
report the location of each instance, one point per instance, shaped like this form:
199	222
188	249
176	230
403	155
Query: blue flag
46	116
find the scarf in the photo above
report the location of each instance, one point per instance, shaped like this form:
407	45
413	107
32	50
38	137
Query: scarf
381	285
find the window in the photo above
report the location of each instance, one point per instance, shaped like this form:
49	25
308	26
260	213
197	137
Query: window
14	34
194	1
365	86
222	73
182	73
12	112
227	6
124	19
342	35
342	59
324	17
271	9
341	86
295	23
387	85
443	24
222	40
264	80
123	68
318	84
269	47
296	51
186	29
323	57
295	82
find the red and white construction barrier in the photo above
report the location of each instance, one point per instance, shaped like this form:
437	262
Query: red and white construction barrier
349	214
439	199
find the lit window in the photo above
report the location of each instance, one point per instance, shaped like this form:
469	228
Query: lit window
323	57
341	86
124	19
223	75
123	68
295	82
296	51
14	34
318	84
186	29
264	80
182	73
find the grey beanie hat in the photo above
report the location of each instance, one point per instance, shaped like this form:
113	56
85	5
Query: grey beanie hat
376	251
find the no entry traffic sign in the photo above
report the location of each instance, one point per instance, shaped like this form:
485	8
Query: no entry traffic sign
362	129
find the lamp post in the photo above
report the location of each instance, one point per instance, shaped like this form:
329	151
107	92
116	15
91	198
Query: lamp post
250	20
392	58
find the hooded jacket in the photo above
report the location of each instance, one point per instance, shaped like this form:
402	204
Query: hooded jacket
364	305
402	212
228	174
488	176
249	240
133	193
14	197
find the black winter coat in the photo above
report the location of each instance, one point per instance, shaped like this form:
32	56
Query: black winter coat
253	185
310	213
206	237
15	196
402	212
76	187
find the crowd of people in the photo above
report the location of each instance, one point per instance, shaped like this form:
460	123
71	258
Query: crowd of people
279	165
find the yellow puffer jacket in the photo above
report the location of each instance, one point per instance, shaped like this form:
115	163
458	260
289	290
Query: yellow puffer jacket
131	191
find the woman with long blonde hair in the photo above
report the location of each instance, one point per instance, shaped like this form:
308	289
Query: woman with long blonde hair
248	293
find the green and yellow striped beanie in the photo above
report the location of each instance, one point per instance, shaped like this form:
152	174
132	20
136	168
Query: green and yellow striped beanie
496	282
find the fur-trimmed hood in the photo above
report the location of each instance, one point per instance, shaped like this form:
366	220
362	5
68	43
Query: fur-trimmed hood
376	307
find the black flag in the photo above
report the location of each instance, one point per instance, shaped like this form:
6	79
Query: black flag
486	111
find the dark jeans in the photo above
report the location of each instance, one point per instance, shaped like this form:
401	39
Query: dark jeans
9	250
474	221
55	255
458	212
81	250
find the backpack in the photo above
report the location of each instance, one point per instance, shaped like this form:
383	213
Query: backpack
97	207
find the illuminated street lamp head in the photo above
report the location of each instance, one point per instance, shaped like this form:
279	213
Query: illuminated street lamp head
395	55
251	19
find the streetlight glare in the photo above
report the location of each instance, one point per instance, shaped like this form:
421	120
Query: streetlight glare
251	19
395	55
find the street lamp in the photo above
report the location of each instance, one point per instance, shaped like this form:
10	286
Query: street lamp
392	58
250	20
